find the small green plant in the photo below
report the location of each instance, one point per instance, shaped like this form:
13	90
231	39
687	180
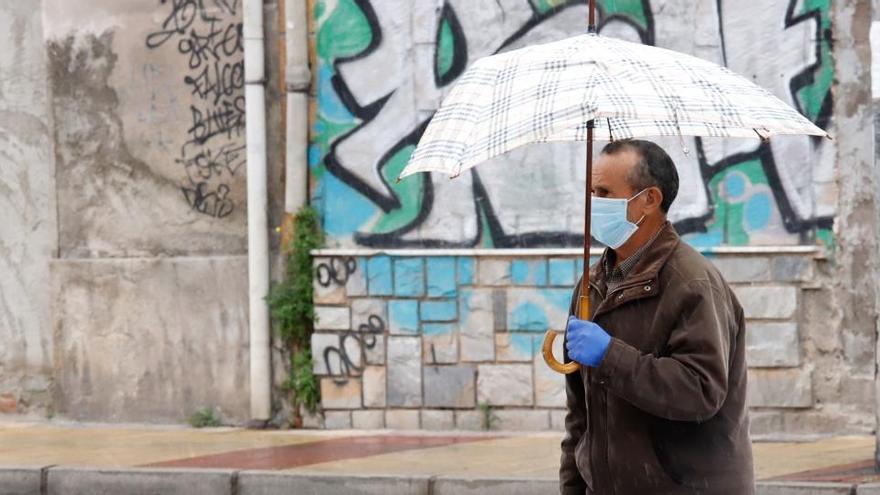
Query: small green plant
291	304
291	300
303	383
204	418
489	416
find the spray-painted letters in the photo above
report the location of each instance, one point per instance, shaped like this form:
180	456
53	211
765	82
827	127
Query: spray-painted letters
208	35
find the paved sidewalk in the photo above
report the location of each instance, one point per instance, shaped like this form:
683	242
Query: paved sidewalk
63	457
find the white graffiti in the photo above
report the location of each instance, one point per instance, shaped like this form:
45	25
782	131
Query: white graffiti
805	169
536	197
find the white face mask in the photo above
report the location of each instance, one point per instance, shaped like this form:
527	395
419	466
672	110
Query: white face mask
608	221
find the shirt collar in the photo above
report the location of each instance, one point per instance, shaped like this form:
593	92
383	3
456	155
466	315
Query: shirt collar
620	272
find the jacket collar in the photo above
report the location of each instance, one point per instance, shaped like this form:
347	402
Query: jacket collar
644	271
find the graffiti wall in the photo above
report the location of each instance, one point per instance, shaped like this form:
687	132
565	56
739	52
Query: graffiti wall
383	67
149	294
209	37
149	108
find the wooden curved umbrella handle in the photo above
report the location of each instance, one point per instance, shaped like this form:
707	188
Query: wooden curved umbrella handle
583	312
547	351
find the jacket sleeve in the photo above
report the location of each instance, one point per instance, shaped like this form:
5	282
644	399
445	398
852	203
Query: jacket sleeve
689	381
570	480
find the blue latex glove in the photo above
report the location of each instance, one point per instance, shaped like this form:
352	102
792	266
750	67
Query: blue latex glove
587	342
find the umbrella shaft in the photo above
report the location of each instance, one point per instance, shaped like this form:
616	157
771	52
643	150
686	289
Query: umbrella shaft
592	25
585	280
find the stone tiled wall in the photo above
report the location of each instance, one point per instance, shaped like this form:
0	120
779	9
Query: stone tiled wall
424	341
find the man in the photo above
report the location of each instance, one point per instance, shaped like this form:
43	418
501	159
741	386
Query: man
659	404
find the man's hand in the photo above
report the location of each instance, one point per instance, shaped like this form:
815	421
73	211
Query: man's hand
586	342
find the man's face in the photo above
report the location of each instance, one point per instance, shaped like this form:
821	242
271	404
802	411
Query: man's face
610	174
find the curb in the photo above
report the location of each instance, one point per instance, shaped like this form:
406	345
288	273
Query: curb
805	488
22	480
273	482
107	481
85	480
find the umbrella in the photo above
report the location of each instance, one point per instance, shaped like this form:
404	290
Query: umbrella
592	87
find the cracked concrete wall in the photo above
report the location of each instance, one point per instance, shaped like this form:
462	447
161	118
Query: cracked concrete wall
150	285
853	305
875	84
151	339
27	211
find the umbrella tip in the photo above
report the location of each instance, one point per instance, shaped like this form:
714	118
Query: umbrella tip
397	181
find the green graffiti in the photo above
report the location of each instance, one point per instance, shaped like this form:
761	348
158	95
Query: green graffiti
445	50
344	33
826	238
486	240
409	191
813	95
729	220
631	9
545	6
324	132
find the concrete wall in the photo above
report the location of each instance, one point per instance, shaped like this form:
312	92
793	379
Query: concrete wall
874	36
150	284
151	339
854	300
123	283
28	226
149	129
383	67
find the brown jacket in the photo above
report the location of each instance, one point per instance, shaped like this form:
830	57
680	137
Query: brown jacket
665	412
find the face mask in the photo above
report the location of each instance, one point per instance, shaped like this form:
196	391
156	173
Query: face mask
608	222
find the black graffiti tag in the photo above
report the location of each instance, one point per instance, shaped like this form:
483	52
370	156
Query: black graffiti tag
337	270
364	339
208	35
203	163
214	204
226	118
184	14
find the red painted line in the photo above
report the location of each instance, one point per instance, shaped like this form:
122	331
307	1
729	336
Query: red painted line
303	454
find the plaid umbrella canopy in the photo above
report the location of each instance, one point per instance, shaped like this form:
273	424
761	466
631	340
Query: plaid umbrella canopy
592	87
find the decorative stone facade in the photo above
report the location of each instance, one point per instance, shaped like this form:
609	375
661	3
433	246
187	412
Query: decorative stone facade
459	335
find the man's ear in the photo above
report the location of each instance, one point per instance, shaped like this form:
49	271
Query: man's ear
653	199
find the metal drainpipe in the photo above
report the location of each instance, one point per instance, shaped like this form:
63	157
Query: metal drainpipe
298	79
258	235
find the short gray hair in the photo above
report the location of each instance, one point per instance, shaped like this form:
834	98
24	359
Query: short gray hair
655	169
